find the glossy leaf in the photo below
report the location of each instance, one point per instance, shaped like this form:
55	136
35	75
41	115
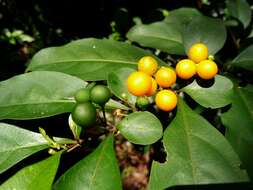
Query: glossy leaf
239	9
24	144
196	154
75	129
181	17
245	59
37	95
17	144
218	95
112	104
158	35
89	59
37	176
141	128
209	31
97	171
117	83
239	124
166	35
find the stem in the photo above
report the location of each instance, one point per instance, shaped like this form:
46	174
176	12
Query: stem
121	114
73	147
103	110
130	105
63	141
234	39
50	141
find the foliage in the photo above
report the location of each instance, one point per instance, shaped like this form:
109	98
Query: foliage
16	36
201	147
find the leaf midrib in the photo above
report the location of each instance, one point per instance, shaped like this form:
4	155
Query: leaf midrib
30	145
82	61
236	61
32	103
188	144
97	164
167	39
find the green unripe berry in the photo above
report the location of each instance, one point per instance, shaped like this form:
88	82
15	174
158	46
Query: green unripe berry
84	114
142	102
82	95
100	94
124	96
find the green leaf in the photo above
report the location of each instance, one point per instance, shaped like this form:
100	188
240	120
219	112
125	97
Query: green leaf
218	95
245	59
240	9
75	129
141	128
181	17
37	95
37	176
196	154
17	144
17	33
25	38
251	34
89	59
117	83
99	170
166	35
158	35
112	104
239	123
209	31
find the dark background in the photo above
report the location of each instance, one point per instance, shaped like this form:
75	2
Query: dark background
79	18
56	22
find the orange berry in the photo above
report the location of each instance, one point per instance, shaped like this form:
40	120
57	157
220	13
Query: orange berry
207	69
147	65
153	88
139	83
185	69
165	77
166	100
198	52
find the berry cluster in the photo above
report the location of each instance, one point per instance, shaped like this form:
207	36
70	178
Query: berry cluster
198	63
84	113
146	80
